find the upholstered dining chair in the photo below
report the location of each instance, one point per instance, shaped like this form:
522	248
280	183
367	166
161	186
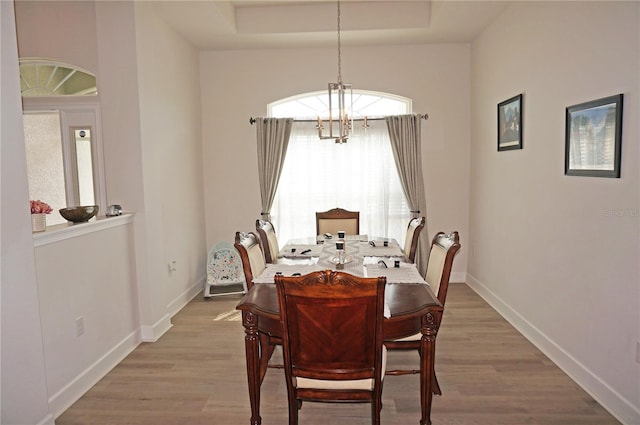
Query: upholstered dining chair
253	262
444	247
337	219
268	240
412	237
332	339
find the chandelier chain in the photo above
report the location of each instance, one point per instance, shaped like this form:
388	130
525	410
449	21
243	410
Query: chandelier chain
339	49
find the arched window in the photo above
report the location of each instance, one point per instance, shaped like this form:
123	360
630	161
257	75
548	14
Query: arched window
365	103
43	77
62	135
359	175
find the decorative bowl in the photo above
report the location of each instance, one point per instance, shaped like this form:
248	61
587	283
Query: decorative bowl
79	214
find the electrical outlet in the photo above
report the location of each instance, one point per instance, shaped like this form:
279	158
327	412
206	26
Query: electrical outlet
638	352
79	326
172	266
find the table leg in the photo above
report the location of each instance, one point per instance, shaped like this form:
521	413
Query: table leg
427	359
252	351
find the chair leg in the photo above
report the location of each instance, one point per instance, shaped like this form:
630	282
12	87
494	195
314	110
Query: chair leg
294	406
376	407
436	385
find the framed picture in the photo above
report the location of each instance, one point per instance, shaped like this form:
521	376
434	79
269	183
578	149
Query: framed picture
593	136
510	124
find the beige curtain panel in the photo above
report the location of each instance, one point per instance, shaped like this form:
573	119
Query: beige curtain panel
273	139
405	135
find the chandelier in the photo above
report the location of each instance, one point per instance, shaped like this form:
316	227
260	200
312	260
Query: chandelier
342	95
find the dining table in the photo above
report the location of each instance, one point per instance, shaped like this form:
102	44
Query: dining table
411	307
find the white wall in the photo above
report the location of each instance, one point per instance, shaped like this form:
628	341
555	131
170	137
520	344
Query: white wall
151	120
75	45
171	139
237	85
90	277
558	255
22	374
152	143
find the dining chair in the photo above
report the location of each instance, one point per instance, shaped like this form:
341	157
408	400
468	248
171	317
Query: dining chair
268	240
332	339
253	262
444	247
412	237
338	219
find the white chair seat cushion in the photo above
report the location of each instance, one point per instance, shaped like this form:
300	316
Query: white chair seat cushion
358	384
414	337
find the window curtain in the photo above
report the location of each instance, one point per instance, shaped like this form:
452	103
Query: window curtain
273	139
359	175
404	133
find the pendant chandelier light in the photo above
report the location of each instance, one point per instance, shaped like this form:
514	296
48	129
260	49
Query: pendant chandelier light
342	95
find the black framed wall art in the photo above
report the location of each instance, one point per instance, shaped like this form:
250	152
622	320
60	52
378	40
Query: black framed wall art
593	138
510	124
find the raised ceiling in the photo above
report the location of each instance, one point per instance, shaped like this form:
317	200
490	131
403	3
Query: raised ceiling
243	24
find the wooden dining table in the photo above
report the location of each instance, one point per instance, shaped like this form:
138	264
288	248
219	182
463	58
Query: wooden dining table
410	308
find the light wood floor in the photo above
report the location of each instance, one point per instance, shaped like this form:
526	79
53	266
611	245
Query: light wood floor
489	374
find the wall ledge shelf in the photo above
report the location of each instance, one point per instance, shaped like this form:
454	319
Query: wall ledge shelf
60	232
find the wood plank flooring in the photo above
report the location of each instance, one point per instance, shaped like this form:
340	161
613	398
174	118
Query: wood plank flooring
195	375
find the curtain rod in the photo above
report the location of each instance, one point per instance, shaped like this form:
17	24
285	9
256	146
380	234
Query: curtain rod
252	120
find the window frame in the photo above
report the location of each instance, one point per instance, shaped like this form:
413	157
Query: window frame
71	110
402	105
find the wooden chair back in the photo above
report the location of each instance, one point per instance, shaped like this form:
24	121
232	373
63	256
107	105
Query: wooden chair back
253	263
413	236
332	338
337	219
443	249
268	240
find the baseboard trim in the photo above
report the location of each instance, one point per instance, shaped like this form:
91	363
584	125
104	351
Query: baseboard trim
458	277
47	420
71	392
183	299
154	332
618	406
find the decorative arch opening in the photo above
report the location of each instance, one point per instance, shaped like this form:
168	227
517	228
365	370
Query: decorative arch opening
359	175
45	77
316	104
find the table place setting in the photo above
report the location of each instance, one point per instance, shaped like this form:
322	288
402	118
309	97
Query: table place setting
300	251
380	248
404	273
286	270
328	237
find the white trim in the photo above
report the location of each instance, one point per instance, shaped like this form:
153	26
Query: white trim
183	299
154	332
47	420
60	232
621	408
458	277
75	389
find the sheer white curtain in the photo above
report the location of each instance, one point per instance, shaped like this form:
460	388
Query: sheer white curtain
359	176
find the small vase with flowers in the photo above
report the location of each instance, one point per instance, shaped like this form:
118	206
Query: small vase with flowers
39	211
